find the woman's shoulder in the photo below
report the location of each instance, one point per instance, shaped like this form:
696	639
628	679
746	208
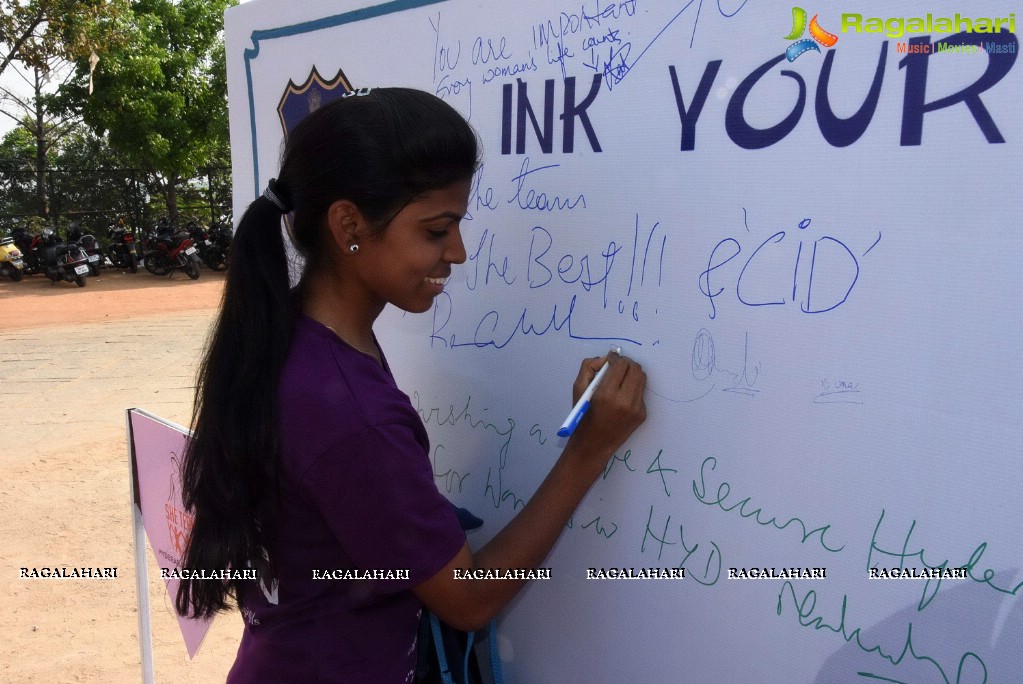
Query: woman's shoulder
329	391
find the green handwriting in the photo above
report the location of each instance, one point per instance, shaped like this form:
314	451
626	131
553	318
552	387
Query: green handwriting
805	609
724	489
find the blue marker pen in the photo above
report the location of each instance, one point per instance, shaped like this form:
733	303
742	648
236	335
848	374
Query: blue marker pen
579	410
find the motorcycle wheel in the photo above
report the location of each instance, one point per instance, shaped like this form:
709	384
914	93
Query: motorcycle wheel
192	270
133	262
14	272
79	280
216	260
154	264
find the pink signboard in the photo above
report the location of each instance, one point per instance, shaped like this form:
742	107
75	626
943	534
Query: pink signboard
156	448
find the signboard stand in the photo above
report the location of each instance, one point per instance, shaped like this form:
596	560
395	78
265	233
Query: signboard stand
141	576
155	447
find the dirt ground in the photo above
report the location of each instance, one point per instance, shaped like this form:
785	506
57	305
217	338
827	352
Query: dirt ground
114	295
71	361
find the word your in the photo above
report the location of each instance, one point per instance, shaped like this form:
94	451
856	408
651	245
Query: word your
843	131
896	27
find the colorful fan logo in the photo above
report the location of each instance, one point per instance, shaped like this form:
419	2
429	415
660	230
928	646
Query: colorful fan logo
799	26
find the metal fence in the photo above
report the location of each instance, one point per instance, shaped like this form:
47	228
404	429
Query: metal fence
100	197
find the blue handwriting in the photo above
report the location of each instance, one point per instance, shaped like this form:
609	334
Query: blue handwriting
540	201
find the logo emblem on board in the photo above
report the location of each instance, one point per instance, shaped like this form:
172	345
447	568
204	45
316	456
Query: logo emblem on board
299	100
817	34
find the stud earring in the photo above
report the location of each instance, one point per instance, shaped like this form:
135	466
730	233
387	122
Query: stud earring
353	248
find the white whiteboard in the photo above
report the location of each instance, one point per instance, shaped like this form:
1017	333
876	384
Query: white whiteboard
827	305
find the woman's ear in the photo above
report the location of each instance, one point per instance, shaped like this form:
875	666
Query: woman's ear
344	219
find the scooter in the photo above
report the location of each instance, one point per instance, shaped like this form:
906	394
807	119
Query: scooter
27	243
11	263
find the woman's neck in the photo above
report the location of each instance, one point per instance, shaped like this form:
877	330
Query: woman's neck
329	303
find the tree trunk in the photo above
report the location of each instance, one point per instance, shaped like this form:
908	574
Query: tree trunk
171	194
42	206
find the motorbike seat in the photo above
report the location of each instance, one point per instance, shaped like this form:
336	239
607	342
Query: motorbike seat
171	240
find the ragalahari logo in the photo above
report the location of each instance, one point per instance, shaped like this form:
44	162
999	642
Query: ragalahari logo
817	34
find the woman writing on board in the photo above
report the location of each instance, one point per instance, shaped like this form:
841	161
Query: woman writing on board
306	457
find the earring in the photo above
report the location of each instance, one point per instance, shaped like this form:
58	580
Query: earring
353	248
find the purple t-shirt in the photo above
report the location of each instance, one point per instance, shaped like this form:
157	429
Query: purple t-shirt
357	493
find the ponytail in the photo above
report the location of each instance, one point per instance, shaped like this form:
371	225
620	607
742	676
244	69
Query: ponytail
229	473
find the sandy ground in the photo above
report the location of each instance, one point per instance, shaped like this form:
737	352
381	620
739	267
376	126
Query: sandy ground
71	361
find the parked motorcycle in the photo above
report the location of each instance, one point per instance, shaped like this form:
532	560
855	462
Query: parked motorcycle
220	243
121	249
60	260
167	250
11	263
27	243
212	244
89	244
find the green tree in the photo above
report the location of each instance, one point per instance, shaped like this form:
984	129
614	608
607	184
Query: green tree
34	31
92	184
41	39
161	96
17	181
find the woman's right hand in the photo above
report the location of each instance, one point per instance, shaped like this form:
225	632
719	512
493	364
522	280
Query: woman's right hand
616	408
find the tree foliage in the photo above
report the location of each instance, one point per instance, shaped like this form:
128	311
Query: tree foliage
160	96
35	31
17	188
42	38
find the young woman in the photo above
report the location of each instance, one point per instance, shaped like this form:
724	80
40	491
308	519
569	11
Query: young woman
306	457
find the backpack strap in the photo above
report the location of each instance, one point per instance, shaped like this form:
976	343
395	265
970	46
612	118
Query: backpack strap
442	657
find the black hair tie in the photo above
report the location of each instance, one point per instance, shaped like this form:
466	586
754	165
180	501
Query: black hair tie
275	194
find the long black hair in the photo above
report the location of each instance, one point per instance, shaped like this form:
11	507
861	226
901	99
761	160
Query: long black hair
378	149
